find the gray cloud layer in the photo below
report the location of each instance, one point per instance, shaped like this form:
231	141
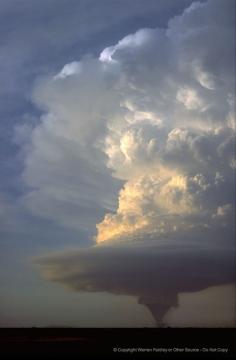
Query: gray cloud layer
155	275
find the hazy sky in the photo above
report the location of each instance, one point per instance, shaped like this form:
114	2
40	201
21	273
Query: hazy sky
117	162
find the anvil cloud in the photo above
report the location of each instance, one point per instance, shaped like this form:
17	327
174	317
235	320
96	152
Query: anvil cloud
153	119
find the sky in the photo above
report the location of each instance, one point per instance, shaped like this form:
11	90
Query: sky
117	151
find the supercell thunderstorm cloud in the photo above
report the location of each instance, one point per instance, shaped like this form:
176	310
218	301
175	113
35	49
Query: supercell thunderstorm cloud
138	146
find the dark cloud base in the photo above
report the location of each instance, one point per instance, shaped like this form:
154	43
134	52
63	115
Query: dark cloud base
155	275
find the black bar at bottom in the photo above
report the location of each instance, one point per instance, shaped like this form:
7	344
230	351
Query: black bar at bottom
117	343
